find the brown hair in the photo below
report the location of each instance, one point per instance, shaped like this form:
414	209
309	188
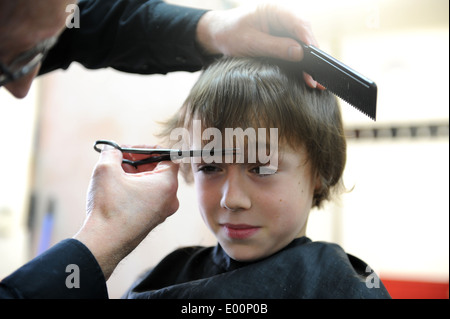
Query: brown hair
261	92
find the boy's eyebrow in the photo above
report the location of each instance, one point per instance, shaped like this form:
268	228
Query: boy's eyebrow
244	156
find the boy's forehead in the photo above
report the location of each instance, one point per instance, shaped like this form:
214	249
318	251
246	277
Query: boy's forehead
235	138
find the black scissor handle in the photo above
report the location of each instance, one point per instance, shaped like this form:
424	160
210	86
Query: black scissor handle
105	142
161	154
147	151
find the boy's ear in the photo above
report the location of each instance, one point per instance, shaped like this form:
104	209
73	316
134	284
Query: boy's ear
318	183
318	189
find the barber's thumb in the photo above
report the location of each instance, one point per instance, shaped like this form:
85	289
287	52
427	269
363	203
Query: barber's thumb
295	53
110	155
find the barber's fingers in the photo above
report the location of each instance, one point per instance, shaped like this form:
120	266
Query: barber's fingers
167	167
111	160
277	35
282	48
110	156
104	176
164	175
136	157
263	44
283	22
297	27
156	189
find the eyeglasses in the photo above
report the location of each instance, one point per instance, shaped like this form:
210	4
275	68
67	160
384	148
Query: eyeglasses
25	62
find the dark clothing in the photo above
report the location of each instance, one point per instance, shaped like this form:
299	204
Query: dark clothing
136	36
304	269
47	275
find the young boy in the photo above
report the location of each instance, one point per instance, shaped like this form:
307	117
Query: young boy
288	158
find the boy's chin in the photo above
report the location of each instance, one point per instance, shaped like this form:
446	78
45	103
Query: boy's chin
244	253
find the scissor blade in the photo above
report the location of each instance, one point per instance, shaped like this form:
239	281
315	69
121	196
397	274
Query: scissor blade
172	155
178	154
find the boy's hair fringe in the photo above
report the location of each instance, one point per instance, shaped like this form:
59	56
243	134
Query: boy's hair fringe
262	92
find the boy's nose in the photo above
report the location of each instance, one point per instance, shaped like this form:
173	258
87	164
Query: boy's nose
235	195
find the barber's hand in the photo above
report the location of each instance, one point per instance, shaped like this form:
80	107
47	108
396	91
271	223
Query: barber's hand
124	204
267	30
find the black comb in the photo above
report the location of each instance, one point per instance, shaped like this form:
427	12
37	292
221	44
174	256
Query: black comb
344	82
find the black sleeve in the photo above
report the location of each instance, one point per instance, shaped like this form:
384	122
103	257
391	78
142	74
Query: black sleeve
136	36
47	275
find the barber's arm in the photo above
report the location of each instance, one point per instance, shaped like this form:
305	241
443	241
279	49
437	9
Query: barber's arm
67	270
151	36
136	36
124	204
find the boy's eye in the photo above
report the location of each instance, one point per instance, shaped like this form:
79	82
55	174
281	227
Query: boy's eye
264	170
208	169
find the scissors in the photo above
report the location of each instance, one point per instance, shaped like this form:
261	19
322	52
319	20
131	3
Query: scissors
158	154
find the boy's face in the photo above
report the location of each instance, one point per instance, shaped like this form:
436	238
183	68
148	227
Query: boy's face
254	214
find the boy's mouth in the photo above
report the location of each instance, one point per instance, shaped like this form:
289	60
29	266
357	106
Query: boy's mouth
239	231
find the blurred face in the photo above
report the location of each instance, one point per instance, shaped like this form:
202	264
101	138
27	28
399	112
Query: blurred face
252	212
31	23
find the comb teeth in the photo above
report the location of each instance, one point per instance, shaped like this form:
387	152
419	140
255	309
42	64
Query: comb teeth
362	109
344	82
364	99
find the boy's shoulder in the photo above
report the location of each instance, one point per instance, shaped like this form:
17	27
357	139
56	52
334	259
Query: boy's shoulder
306	269
303	269
330	272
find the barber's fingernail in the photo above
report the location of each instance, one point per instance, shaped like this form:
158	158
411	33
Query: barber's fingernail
106	147
321	87
295	53
310	81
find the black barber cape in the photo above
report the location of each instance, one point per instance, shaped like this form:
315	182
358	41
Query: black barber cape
304	269
49	275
